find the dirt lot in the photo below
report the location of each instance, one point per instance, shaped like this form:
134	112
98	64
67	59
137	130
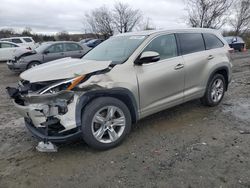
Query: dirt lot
186	146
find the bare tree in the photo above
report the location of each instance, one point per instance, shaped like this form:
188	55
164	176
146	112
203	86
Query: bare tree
208	13
241	20
63	35
125	18
5	33
100	21
27	31
147	25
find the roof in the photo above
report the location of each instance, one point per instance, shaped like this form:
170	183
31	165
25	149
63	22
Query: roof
54	42
16	37
150	32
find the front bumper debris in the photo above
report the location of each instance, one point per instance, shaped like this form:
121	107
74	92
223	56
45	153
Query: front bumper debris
41	134
49	117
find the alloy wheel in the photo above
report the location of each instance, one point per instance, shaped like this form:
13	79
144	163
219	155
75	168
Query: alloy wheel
108	124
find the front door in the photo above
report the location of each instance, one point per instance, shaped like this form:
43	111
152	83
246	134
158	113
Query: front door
55	51
161	83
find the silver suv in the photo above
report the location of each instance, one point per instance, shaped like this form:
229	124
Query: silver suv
121	81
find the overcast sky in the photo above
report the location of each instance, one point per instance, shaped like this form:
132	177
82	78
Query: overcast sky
52	16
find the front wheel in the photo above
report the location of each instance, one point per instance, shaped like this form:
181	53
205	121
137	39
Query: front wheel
215	91
33	64
105	122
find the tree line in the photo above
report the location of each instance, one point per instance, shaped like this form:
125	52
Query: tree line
121	17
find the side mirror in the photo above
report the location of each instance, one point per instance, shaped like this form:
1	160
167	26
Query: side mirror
148	57
46	52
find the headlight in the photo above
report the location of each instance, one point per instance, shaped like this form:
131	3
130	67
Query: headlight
20	60
64	85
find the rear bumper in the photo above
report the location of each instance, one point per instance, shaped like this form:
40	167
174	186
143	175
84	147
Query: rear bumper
40	134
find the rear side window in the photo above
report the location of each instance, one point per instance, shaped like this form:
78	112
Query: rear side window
27	39
191	42
212	41
165	45
16	41
72	47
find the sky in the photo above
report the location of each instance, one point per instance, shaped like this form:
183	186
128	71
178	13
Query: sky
51	16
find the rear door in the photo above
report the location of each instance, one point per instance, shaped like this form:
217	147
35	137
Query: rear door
73	50
55	51
195	57
7	51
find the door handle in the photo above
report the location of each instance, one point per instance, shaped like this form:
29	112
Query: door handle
210	57
179	66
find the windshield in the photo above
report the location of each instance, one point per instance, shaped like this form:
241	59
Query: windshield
42	47
117	49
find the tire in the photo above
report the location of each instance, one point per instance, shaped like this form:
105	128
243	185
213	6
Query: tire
98	127
214	94
33	64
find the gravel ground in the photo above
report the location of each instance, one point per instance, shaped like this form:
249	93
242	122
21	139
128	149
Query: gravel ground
186	146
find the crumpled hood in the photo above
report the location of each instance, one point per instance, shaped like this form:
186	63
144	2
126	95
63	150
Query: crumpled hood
63	69
23	52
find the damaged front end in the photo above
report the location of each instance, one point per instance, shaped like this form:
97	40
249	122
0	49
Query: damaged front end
50	116
49	107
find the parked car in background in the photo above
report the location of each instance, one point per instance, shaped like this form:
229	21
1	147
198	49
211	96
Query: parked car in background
83	41
46	52
22	41
124	79
94	42
235	42
8	50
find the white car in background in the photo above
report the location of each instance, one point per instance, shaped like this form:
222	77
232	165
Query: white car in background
28	42
8	50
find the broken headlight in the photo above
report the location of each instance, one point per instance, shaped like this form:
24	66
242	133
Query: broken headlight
63	85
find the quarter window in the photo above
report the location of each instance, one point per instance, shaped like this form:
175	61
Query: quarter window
191	42
27	39
165	45
56	48
212	41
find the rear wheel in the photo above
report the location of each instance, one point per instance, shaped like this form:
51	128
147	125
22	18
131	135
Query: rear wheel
105	122
215	91
33	64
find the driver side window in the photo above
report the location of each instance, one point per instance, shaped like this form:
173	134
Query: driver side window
165	45
56	48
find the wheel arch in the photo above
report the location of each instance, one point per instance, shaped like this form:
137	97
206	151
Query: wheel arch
122	94
224	71
33	61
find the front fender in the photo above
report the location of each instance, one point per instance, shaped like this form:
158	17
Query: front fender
122	94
